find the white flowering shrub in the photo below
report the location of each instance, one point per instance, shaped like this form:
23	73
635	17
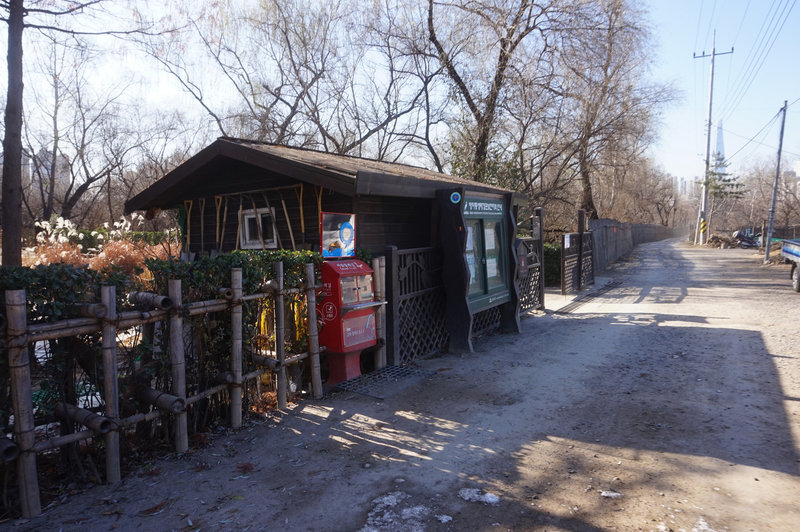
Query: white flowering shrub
61	231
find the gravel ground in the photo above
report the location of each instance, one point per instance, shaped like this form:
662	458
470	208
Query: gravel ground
670	401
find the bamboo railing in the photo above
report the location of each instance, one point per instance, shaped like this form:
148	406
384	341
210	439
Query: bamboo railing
19	335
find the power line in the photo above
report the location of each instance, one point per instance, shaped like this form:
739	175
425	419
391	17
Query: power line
733	43
699	19
711	20
753	138
750	59
756	50
741	22
774	23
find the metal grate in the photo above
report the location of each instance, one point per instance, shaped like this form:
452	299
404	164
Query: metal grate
582	300
383	382
577	262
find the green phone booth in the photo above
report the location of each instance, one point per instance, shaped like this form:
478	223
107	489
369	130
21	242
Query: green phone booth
477	235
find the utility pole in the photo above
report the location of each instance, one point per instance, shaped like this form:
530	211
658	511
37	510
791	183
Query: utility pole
775	188
701	230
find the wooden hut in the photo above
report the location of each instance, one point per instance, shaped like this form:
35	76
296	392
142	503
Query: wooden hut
451	264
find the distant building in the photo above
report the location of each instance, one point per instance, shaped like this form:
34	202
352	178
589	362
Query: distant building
40	165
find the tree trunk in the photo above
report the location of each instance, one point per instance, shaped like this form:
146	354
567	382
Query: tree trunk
12	143
587	201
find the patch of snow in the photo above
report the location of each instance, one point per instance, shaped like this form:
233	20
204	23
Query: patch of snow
475	495
702	526
390	499
444	518
416	512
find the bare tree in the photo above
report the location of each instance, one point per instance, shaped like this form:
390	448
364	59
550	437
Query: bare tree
302	73
605	63
87	139
54	15
477	43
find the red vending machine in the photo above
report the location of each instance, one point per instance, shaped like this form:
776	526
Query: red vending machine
346	312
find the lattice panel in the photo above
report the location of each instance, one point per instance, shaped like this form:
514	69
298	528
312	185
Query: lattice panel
422	326
486	321
418	269
587	270
570	274
530	288
530	296
587	266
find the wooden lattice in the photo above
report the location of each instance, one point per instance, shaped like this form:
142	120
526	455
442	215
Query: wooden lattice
421	304
422	326
486	321
587	267
530	286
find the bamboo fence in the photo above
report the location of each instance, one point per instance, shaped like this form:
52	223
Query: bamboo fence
171	402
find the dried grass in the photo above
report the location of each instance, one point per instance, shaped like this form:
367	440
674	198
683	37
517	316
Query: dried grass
124	254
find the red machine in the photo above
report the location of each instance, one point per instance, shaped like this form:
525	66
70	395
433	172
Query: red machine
346	311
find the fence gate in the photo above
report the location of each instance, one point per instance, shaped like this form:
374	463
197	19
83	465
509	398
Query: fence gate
530	272
416	310
577	258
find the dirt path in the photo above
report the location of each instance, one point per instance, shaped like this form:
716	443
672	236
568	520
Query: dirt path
669	402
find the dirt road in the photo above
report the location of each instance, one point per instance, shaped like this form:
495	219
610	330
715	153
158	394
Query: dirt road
671	401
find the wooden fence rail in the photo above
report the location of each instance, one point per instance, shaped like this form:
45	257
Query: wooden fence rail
172	402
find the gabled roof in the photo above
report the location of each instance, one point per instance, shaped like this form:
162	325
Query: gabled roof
228	164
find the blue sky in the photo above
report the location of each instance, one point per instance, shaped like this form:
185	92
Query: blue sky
750	85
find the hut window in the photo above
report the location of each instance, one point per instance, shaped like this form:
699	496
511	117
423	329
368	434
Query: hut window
251	237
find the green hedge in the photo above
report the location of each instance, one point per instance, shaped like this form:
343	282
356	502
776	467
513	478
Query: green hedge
552	264
55	291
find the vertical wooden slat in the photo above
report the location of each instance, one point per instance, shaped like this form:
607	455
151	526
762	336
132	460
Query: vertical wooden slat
313	334
109	298
280	332
539	213
379	270
581	228
22	399
392	290
236	348
178	363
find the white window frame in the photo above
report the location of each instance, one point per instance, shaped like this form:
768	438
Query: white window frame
248	241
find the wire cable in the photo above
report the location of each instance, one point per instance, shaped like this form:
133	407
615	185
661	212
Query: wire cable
753	138
759	56
750	61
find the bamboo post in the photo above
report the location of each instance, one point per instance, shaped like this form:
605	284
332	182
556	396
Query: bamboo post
150	300
270	363
87	418
236	349
280	332
178	364
22	399
163	400
379	270
109	297
313	333
91	310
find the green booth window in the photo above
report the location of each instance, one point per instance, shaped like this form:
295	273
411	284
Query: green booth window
486	252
